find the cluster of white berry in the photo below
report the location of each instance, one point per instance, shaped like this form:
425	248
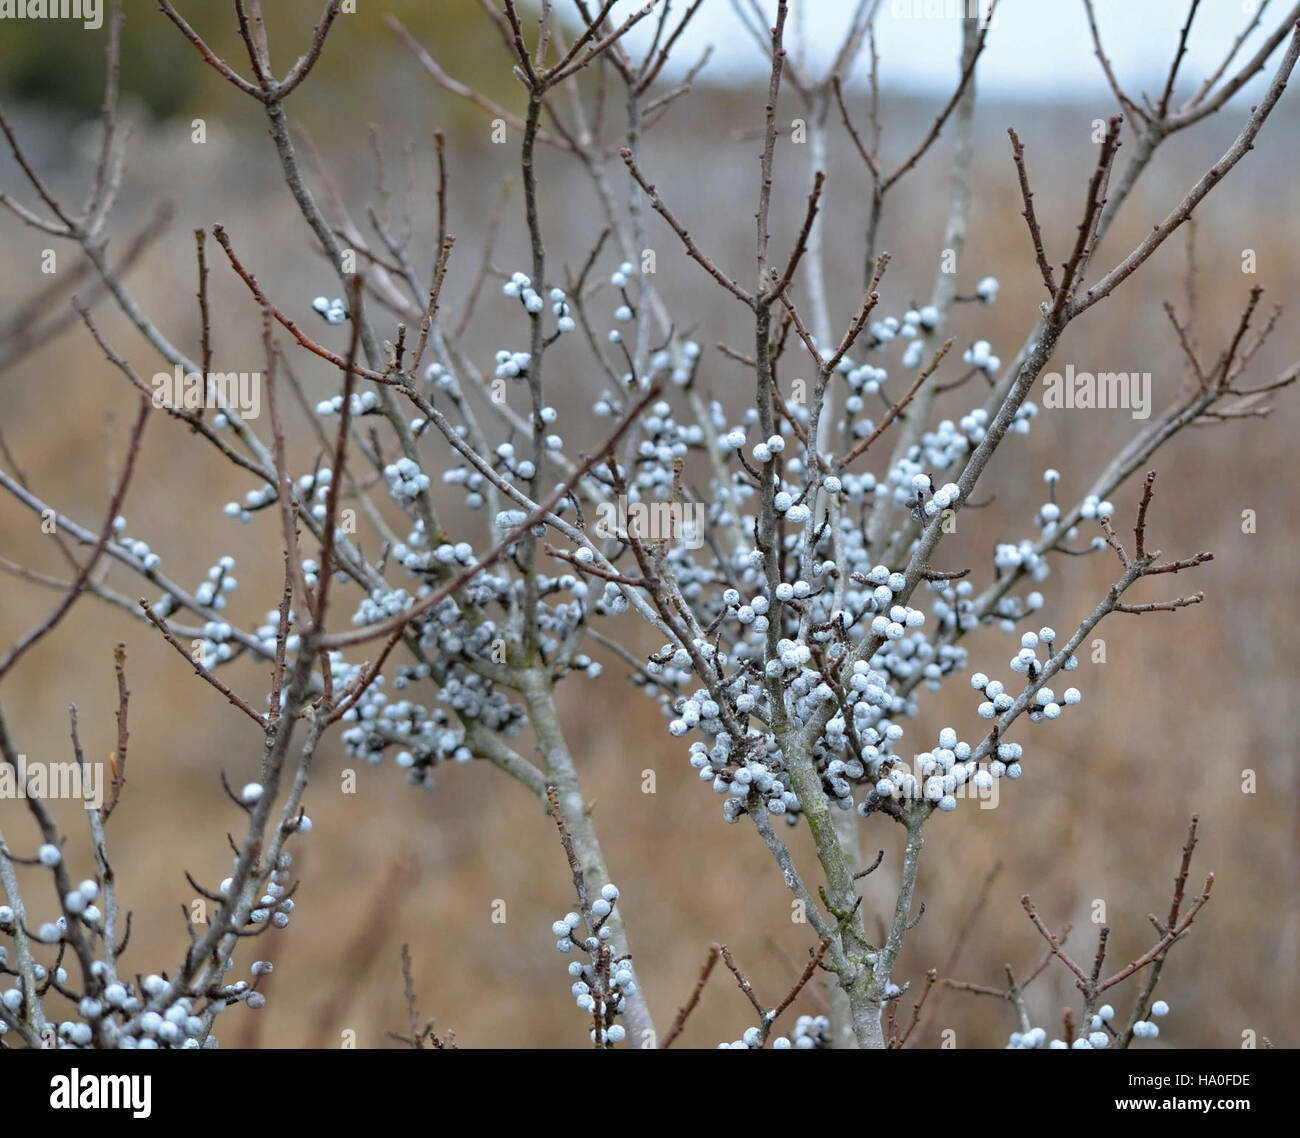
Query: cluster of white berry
406	481
520	287
256	499
1099	1036
719	686
809	1032
148	1014
333	311
1026	663
601	983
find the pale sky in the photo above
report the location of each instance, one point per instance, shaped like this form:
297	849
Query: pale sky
1035	46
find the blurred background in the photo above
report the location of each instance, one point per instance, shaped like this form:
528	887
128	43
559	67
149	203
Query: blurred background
1183	706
